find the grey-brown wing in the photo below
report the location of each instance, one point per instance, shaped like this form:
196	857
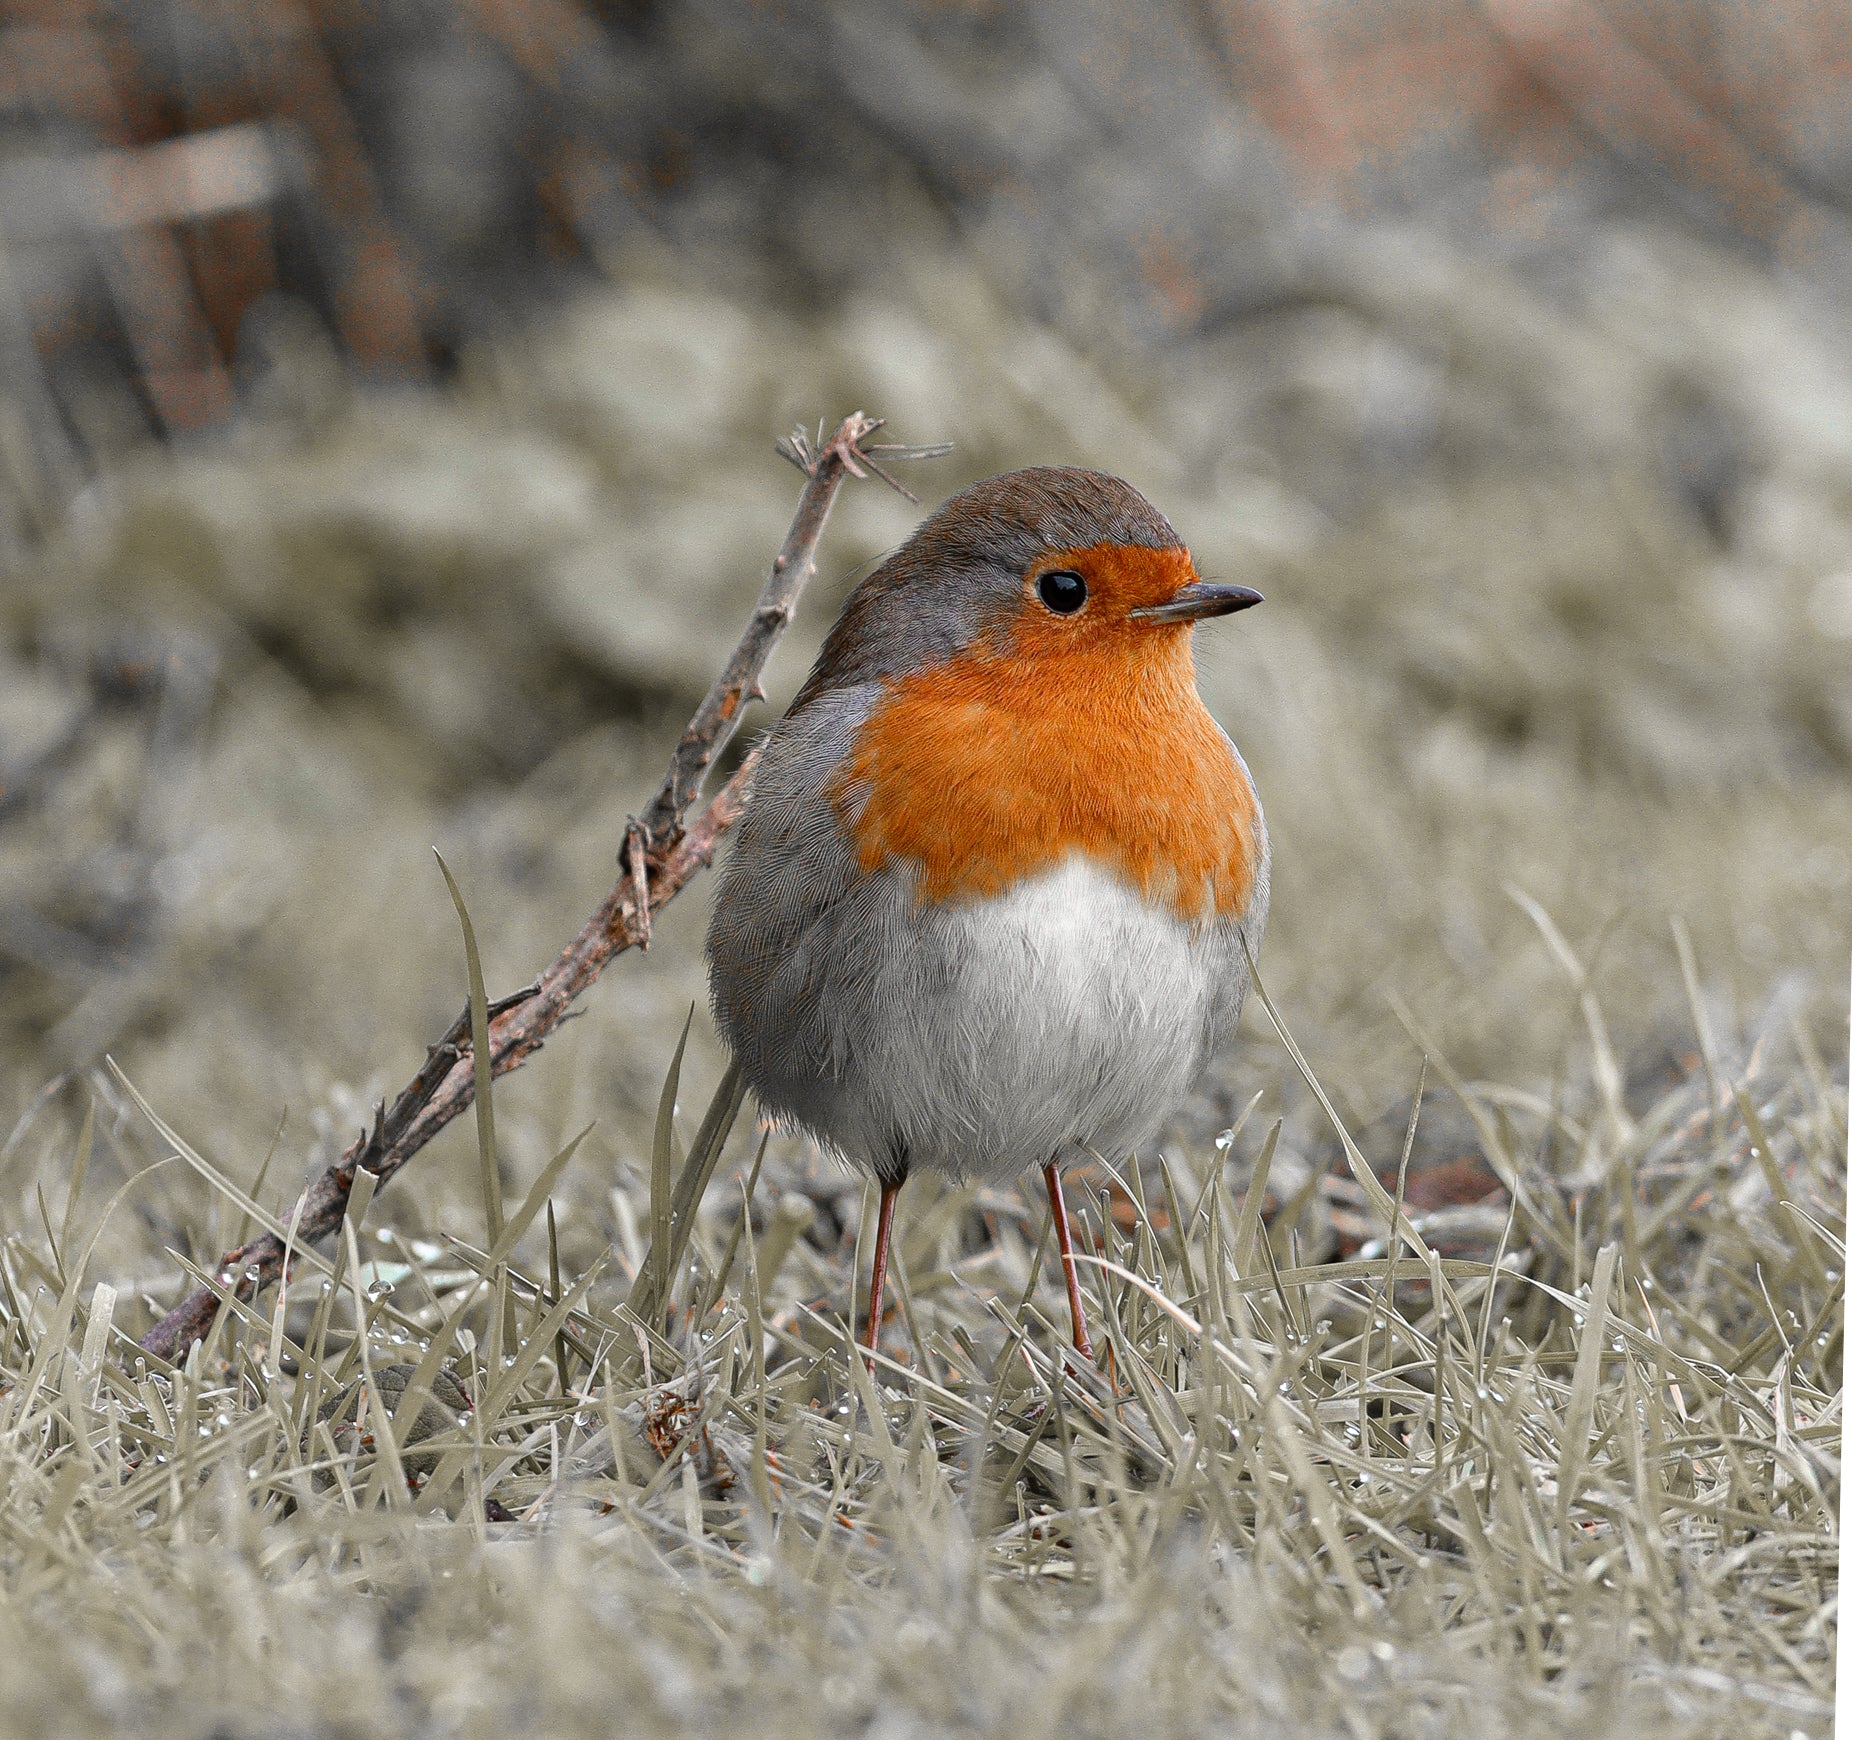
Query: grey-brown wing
793	913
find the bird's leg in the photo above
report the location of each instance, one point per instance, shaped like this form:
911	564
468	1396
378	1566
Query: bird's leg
877	1279
1057	1204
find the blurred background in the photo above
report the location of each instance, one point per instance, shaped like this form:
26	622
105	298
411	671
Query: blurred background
387	397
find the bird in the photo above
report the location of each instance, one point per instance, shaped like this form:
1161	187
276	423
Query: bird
987	904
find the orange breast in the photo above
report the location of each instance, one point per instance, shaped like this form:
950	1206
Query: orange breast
997	765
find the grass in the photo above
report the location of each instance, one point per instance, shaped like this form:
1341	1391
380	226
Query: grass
1586	1479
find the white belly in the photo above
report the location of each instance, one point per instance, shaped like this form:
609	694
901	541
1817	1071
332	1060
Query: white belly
1063	1016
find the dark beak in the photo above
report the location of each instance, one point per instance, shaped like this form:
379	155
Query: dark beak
1199	599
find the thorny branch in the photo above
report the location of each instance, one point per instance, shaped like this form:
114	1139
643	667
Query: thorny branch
662	851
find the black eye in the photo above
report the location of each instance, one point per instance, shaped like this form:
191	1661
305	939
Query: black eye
1063	591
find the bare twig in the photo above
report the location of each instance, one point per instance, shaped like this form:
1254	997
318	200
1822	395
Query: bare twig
717	717
672	852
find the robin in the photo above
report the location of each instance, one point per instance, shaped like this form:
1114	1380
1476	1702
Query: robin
985	908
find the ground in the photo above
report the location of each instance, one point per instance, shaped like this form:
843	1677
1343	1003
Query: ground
1549	711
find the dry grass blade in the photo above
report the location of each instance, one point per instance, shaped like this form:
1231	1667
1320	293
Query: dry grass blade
1578	1420
479	1062
184	1150
646	1291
